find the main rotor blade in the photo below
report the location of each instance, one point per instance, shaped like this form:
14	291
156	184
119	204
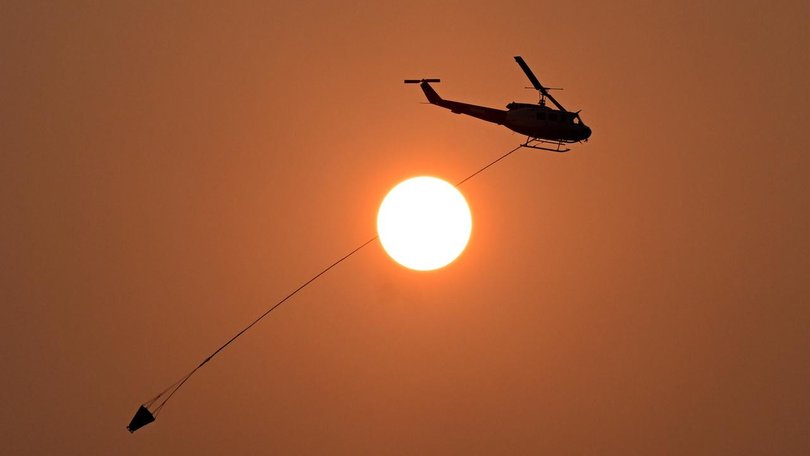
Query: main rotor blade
536	83
529	74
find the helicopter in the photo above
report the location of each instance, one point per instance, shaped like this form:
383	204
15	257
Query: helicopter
545	128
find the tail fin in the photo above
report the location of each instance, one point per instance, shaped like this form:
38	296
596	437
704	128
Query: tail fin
431	94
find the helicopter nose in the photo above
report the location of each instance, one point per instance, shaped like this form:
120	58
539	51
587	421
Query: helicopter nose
586	132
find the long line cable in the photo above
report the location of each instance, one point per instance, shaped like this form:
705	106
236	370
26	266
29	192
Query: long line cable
488	165
183	380
172	389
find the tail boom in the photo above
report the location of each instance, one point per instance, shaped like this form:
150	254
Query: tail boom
481	112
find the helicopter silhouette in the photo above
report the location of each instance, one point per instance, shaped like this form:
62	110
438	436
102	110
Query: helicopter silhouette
542	125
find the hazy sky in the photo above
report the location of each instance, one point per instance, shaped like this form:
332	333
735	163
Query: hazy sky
168	170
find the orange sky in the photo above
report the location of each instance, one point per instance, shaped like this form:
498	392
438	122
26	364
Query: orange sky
169	171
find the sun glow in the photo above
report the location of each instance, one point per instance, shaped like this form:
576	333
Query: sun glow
424	223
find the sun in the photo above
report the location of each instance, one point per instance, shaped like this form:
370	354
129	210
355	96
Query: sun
424	223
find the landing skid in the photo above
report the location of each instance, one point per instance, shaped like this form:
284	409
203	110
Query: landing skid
536	143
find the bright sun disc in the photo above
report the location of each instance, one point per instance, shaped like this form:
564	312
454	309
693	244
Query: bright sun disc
424	223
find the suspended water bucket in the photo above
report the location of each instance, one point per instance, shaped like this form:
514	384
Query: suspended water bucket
142	417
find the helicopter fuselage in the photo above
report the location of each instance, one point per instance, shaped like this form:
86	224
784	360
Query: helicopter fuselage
538	121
